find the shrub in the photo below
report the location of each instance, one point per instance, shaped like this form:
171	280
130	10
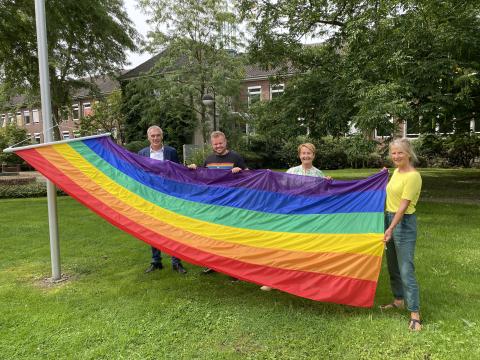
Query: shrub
30	190
462	149
136	146
198	156
430	149
358	150
9	136
260	152
331	154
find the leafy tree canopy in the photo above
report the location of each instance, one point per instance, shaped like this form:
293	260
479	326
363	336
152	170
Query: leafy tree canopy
106	116
85	38
198	41
414	60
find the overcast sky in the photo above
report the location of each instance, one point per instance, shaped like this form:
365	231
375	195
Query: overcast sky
140	23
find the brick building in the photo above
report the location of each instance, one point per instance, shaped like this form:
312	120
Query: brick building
30	117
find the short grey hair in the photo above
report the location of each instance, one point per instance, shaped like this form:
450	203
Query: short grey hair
154	127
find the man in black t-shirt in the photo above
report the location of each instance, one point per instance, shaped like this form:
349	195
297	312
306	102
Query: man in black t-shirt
221	158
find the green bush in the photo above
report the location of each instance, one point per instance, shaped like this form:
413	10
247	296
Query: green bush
30	190
136	146
359	150
462	149
9	136
198	156
260	152
430	149
331	154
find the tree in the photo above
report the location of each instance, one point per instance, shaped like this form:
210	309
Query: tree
146	104
198	39
11	135
409	60
85	38
106	116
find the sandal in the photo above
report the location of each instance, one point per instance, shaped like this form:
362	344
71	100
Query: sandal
392	306
412	325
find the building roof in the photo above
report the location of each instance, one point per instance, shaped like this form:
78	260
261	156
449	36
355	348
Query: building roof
256	72
106	85
252	72
143	68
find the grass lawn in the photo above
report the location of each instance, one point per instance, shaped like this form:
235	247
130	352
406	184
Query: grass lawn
110	309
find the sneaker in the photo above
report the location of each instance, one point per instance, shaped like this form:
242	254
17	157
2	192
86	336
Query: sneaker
179	268
265	288
154	267
208	271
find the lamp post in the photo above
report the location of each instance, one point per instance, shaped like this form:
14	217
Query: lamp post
209	100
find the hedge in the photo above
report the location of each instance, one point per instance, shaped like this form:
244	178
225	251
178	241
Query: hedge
30	190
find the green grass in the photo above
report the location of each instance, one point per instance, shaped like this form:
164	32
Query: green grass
110	309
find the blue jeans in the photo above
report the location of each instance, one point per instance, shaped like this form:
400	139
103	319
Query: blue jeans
400	255
157	258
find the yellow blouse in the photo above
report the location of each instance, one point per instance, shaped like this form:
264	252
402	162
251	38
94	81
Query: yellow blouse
403	186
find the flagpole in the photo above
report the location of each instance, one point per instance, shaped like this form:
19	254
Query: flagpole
47	132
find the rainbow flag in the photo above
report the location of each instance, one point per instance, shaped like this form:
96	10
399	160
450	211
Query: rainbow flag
315	238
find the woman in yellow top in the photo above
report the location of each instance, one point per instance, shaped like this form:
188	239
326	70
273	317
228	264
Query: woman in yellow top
403	191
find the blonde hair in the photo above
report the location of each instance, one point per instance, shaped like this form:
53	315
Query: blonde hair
217	134
406	146
309	146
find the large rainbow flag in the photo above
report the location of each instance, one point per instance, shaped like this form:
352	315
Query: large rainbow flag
315	238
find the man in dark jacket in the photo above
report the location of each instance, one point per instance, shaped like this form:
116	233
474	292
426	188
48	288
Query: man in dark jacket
158	151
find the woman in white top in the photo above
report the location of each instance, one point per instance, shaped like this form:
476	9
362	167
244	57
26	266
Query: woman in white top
306	153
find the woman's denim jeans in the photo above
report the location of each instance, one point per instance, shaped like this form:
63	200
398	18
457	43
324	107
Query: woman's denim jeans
400	255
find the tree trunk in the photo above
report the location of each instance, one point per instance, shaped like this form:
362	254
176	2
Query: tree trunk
56	122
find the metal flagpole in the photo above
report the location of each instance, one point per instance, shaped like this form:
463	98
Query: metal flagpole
47	132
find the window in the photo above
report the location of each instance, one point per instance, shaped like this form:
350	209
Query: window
19	118
352	128
276	90
11	119
35	116
75	112
66	135
254	94
26	117
412	128
2	121
87	109
36	138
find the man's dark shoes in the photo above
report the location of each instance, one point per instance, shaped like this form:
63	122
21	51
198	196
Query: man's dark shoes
179	268
208	271
154	267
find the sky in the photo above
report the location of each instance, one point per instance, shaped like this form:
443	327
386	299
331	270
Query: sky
140	22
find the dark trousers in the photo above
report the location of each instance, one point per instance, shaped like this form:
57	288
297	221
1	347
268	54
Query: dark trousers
157	257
